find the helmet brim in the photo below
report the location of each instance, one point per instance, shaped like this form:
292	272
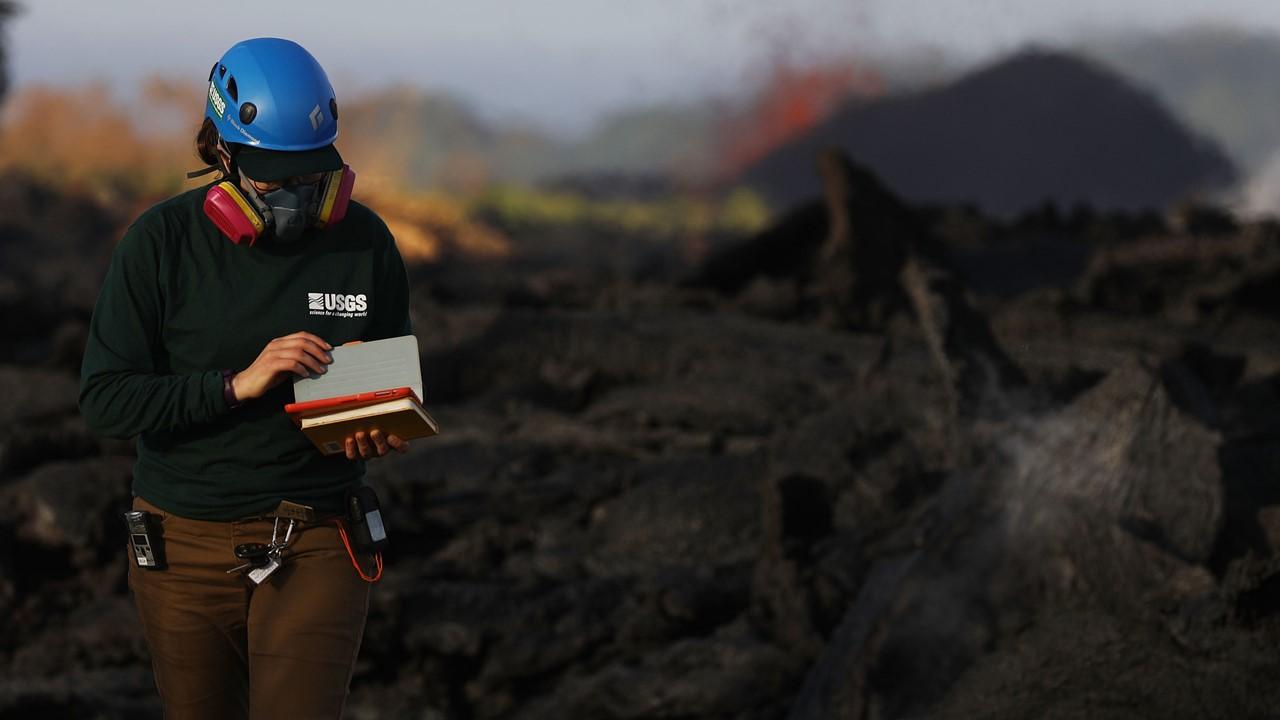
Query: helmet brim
272	165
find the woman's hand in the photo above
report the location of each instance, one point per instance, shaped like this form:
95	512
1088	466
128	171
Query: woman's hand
374	444
301	354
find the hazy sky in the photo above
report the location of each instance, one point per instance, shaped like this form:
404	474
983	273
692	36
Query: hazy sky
560	62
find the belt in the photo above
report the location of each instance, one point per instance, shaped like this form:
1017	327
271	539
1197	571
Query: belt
293	511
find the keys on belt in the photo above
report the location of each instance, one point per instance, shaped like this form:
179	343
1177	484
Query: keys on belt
261	560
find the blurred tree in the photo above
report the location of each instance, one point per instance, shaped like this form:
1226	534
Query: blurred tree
7	10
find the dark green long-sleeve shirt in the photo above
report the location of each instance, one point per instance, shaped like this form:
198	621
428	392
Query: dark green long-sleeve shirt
179	304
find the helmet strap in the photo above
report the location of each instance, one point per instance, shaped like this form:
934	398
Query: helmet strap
227	172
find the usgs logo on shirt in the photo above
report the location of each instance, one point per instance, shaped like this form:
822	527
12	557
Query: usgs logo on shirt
337	305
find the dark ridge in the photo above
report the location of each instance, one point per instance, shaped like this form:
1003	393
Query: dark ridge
1040	126
789	248
1232	68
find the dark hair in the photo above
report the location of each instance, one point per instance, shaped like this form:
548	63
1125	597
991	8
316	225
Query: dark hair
207	143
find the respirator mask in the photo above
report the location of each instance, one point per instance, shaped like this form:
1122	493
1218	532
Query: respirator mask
292	208
283	213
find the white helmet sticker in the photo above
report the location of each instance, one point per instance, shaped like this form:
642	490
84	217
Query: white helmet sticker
215	99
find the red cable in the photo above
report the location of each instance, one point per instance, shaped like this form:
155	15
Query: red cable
377	557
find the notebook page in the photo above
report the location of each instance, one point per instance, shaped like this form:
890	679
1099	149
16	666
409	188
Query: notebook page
365	367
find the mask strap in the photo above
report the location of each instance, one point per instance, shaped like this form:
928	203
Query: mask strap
231	163
206	171
260	204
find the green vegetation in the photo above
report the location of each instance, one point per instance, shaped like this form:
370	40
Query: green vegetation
740	211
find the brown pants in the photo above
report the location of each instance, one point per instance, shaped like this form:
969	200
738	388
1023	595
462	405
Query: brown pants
223	648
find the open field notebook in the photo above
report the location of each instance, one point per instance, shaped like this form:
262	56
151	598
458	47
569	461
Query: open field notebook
369	385
363	368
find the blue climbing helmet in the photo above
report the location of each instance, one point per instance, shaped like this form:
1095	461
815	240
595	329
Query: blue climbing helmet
271	94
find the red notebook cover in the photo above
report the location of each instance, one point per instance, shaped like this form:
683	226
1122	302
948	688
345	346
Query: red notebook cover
346	402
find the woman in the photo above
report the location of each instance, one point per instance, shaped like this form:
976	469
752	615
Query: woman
202	317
